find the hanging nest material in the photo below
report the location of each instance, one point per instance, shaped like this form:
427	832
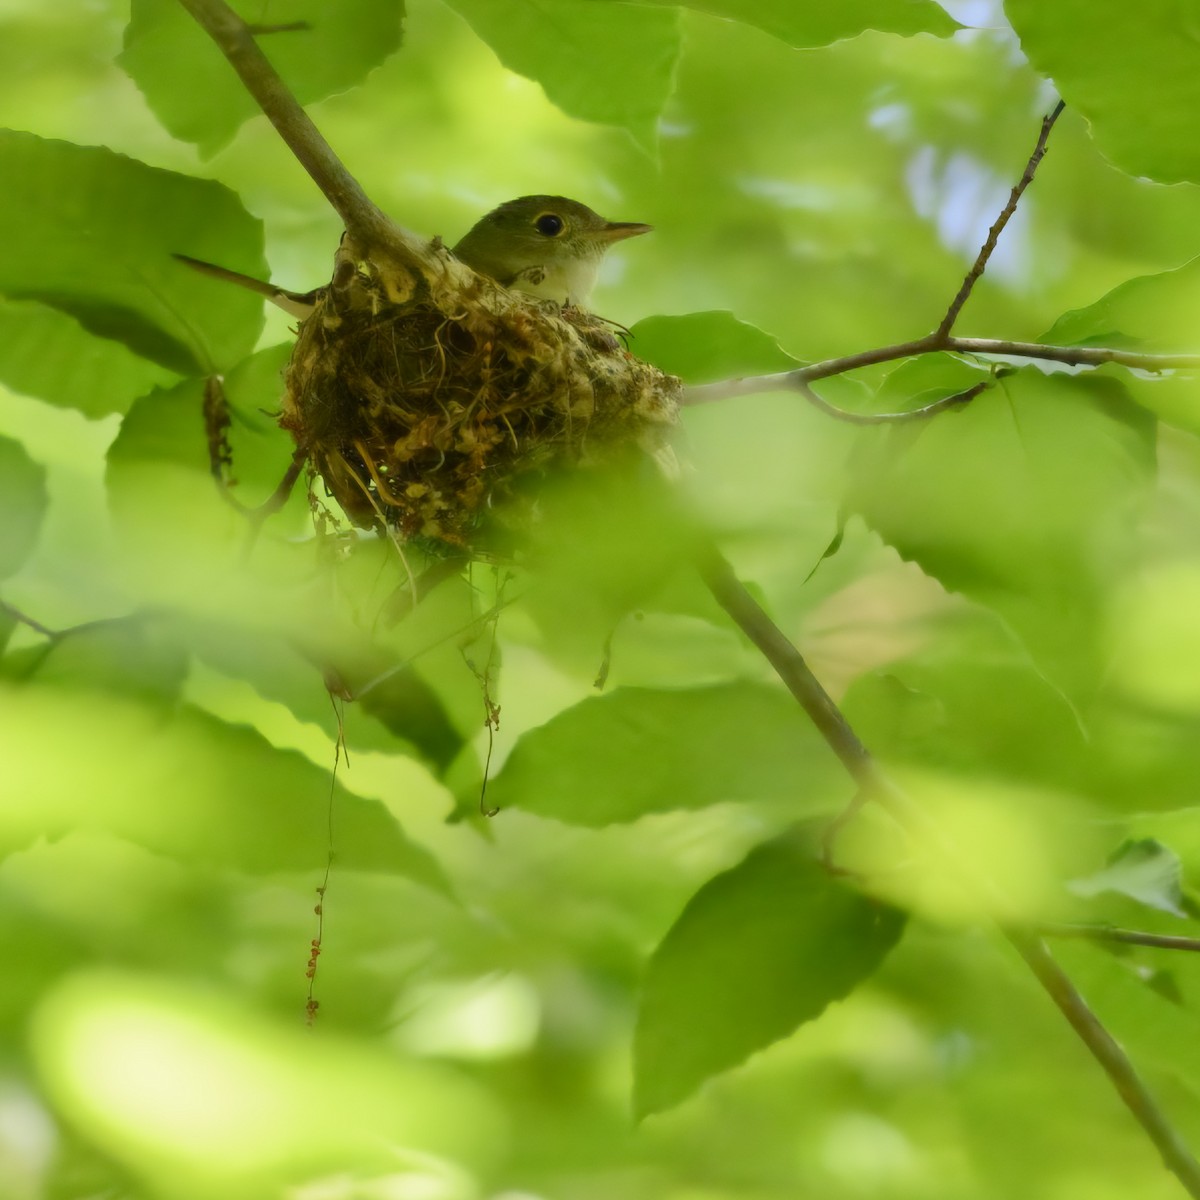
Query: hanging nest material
428	397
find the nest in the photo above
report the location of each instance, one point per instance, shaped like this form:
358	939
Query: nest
428	398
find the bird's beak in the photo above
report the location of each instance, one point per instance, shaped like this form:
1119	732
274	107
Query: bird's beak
616	231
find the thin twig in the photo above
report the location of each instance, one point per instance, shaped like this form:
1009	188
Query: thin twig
985	251
790	666
22	618
137	617
893	418
256	30
362	218
1129	937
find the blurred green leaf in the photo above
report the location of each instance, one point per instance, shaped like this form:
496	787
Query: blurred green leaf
1144	870
586	574
759	950
381	1115
1027	500
610	63
197	96
135	657
48	354
804	25
161	458
1132	71
184	784
23	502
642	750
969	698
91	233
1154	314
281	665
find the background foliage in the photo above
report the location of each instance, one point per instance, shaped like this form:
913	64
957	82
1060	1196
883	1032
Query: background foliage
1003	598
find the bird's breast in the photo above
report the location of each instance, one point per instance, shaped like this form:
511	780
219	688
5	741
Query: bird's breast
564	282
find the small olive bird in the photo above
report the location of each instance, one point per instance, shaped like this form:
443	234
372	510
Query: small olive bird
545	246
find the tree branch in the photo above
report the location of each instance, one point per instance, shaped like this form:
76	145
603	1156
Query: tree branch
942	340
1076	356
1129	937
989	244
790	666
365	222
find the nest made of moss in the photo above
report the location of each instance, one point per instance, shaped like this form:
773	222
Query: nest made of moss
427	396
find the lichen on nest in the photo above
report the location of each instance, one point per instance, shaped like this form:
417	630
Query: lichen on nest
428	396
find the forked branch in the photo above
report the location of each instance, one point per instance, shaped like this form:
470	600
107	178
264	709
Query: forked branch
942	339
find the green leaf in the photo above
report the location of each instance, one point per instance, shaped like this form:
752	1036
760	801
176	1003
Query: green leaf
586	572
91	233
704	346
136	657
1027	500
22	505
805	25
161	454
186	785
48	354
1133	71
759	950
970	700
1144	870
609	63
642	750
403	707
197	96
927	379
1153	314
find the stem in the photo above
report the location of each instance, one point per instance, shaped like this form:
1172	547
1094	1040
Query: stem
1129	937
790	666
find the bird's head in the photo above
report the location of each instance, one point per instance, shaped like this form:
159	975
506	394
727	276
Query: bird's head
547	246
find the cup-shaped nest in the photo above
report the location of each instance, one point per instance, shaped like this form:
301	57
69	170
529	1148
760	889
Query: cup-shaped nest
428	396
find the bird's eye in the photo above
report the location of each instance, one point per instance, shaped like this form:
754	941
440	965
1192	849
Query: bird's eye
549	224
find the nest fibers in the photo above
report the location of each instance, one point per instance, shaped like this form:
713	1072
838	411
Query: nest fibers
425	393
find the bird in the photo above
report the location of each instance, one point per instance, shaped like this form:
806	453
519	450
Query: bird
546	246
549	247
